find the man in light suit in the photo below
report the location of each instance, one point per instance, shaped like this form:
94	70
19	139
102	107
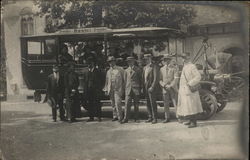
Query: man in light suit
151	85
168	82
133	83
114	87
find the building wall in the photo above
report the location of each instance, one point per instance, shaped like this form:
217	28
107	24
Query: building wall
217	43
12	28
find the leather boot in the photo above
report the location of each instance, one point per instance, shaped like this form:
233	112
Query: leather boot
154	121
193	124
148	120
187	123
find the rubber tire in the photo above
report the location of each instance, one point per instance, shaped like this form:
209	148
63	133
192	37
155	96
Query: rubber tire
209	104
221	104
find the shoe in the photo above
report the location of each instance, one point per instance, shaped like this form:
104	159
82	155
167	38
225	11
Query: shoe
99	119
187	123
192	125
154	121
166	121
90	120
115	119
124	121
120	121
54	120
149	120
72	120
180	121
63	119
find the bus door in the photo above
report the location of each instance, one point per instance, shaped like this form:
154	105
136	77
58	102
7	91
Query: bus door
38	61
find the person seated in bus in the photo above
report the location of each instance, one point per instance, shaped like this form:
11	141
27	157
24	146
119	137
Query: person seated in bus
64	57
71	83
87	53
55	92
92	90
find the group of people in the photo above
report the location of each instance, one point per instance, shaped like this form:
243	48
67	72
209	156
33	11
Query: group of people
131	82
152	78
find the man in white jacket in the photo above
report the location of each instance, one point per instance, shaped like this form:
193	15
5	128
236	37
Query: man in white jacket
189	103
114	87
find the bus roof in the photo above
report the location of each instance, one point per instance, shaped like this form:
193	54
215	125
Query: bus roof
101	31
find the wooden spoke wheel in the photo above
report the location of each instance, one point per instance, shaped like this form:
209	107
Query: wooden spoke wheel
234	86
209	104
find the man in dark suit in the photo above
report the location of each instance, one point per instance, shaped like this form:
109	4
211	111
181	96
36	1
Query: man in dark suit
133	77
64	57
151	84
71	82
93	89
55	92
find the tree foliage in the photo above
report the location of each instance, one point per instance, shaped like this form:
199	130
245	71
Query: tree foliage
69	14
120	14
142	14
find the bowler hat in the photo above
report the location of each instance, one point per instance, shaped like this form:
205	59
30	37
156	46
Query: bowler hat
111	58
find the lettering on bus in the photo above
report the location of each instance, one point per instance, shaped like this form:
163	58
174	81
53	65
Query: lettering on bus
85	30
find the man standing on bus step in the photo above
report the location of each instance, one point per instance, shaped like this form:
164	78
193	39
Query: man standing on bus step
92	89
55	92
168	82
133	81
71	82
114	87
64	57
151	85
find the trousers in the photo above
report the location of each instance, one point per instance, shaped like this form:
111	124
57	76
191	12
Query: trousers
116	102
128	104
152	106
59	102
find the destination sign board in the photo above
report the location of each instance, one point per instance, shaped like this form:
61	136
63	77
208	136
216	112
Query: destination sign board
86	30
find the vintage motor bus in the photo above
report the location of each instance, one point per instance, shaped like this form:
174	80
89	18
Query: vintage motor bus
40	53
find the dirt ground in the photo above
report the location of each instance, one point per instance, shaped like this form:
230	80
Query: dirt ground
28	133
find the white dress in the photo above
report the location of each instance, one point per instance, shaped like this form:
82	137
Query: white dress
189	103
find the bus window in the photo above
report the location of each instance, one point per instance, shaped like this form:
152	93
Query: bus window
49	50
35	49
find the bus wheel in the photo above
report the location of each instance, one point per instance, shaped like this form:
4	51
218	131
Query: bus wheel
209	104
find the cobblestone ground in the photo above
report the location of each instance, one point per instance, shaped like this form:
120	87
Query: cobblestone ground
28	133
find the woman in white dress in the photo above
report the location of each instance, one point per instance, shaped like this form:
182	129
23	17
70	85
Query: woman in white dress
189	103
